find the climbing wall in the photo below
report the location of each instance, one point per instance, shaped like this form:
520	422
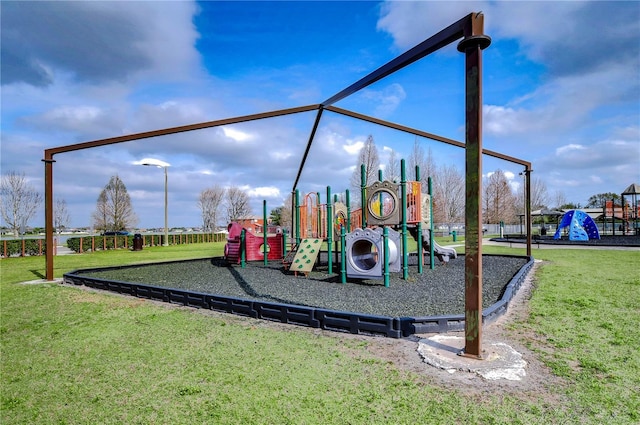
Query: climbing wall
306	255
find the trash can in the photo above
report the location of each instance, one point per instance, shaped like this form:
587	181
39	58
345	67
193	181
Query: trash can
137	242
455	235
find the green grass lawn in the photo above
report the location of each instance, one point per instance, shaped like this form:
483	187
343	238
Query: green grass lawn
75	356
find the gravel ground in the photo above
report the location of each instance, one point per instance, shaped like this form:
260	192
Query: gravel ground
434	292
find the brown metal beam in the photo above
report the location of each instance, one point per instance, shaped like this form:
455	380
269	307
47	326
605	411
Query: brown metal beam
527	194
447	36
424	134
48	215
472	46
49	153
306	151
180	129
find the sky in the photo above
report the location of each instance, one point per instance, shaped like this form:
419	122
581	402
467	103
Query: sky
561	89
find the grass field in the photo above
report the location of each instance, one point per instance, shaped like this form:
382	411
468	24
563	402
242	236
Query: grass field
77	357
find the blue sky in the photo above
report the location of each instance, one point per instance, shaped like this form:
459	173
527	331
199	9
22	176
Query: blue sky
561	90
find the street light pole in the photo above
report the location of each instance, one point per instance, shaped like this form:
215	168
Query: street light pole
166	208
161	164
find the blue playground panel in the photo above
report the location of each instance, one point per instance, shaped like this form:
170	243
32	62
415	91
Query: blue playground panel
581	226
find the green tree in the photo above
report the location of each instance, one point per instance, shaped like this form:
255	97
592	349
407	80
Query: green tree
598	201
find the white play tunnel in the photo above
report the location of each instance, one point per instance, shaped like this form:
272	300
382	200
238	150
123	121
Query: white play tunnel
365	253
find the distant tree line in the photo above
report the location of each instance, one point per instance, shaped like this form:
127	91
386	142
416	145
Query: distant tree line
20	201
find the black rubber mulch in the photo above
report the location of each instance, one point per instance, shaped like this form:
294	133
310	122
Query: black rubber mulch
434	292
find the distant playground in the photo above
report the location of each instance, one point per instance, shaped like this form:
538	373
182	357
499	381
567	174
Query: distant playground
612	225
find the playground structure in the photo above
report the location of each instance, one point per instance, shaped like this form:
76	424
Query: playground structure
627	213
581	226
372	243
242	242
469	33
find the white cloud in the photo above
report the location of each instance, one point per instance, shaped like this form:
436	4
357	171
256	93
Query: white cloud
235	134
386	100
264	192
111	41
562	150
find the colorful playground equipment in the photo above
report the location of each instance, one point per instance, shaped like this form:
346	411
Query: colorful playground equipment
241	241
581	226
372	240
369	251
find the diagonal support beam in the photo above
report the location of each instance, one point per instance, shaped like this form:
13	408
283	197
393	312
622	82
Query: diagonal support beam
447	36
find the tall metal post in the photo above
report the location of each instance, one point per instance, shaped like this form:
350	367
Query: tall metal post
166	207
432	254
363	193
348	201
419	232
48	215
329	231
385	241
472	44
527	206
243	249
403	204
265	246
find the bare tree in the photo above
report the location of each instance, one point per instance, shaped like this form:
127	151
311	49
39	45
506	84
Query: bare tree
19	201
209	203
449	195
559	199
539	194
286	215
499	201
369	157
237	204
392	170
114	211
100	216
61	216
426	164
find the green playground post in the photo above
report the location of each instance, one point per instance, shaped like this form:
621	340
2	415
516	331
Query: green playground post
346	194
385	241
243	255
329	231
432	254
363	193
265	246
380	195
343	256
403	190
419	231
284	242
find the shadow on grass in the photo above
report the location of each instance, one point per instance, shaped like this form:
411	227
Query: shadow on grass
38	274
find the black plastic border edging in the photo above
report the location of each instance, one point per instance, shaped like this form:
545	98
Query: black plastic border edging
332	320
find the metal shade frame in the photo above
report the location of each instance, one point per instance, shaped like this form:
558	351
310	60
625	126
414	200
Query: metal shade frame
470	29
